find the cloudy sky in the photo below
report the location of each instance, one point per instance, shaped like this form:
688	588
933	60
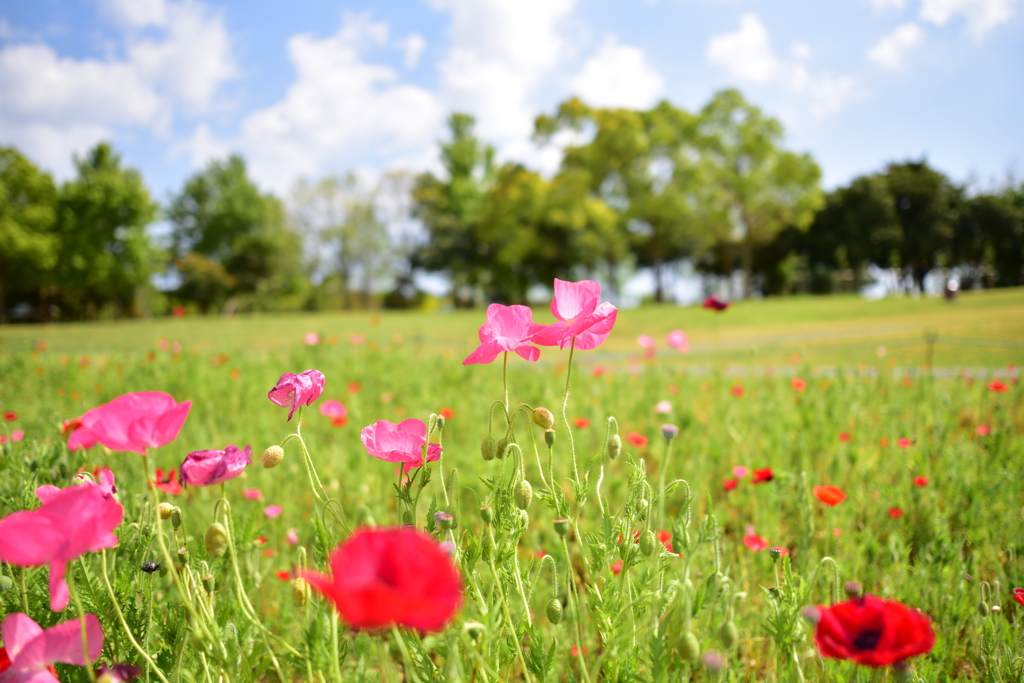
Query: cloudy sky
308	87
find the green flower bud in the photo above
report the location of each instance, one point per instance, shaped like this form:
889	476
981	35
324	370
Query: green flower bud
273	456
407	517
983	608
300	591
561	526
554	611
489	448
543	418
647	542
176	518
549	437
486	514
209	582
614	446
853	589
502	446
182	556
523	494
216	540
5	583
474	629
165	510
688	648
728	634
440	423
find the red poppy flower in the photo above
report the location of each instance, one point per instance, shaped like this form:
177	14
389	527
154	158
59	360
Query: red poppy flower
1018	595
829	495
446	413
10	416
982	430
762	475
754	541
617	567
339	421
920	481
883	442
895	513
637	439
260	541
354	387
576	652
872	631
269	552
798	384
737	391
997	386
167	483
713	303
730	484
386	577
581	422
598	370
284	575
904	442
908	382
665	538
844	436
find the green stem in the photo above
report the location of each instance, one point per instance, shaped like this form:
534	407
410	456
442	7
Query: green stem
661	483
504	384
335	664
85	633
565	412
574	603
23	588
409	668
508	620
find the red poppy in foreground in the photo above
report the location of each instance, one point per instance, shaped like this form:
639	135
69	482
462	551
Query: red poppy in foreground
637	439
391	577
997	386
829	495
762	475
1018	595
872	631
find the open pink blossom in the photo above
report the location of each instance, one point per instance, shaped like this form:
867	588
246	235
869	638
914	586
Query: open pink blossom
753	540
272	511
663	408
292	391
740	472
333	409
252	494
206	468
648	344
580	316
70	522
138	421
31	650
508	328
678	340
402	442
292	536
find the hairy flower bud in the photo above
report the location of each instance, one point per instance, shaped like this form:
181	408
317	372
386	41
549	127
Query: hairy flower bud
5	583
489	448
523	494
440	423
614	446
443	520
647	542
561	526
728	634
273	456
549	437
688	648
543	418
983	608
669	431
165	510
176	518
554	611
502	447
182	556
300	591
216	540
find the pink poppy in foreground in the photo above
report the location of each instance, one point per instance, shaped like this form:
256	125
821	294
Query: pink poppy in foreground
334	410
799	384
206	468
678	340
29	650
580	316
713	303
136	422
292	391
998	386
70	522
754	541
508	328
402	442
982	430
272	511
647	343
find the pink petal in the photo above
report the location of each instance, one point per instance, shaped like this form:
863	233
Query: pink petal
573	300
81	438
63	642
17	435
677	339
46	492
59	594
551	335
18	631
530	353
485	353
28	539
272	511
646	341
333	409
598	326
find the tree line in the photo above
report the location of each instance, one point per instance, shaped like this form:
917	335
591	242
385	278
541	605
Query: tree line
634	189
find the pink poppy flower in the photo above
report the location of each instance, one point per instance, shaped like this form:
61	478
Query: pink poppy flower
982	430
292	536
311	339
580	316
206	468
402	442
137	421
678	340
647	343
17	435
740	472
753	541
713	303
30	650
292	391
663	408
70	522
904	442
508	328
334	410
252	494
272	511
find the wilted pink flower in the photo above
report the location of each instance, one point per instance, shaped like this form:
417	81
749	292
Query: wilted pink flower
508	328
311	339
30	650
206	468
678	340
272	511
252	494
402	442
646	342
580	316
70	522
292	391
333	409
292	536
137	421
663	408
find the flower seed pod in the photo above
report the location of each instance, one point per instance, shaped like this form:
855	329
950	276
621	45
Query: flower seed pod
523	494
216	540
209	582
474	629
853	589
273	456
182	557
543	418
486	514
561	526
487	545
176	518
728	634
549	437
502	446
488	448
165	510
647	542
300	591
688	648
614	446
554	611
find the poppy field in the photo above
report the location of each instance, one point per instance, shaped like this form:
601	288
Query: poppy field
568	495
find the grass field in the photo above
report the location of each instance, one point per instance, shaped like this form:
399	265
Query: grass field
958	532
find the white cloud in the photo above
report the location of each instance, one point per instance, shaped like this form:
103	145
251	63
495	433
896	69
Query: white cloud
892	50
413	46
801	50
136	13
883	5
745	53
982	15
618	76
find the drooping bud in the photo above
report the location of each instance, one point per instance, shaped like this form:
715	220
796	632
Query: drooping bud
549	437
300	591
486	514
489	448
614	446
853	589
554	611
561	526
474	629
647	542
443	520
688	648
523	494
728	634
502	447
669	431
543	418
273	456
216	540
165	510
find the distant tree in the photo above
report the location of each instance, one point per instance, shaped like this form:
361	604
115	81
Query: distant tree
248	254
29	244
989	235
105	253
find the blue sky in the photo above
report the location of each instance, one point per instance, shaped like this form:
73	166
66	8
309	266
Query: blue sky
311	88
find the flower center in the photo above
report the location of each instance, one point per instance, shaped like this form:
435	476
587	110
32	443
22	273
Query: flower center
867	640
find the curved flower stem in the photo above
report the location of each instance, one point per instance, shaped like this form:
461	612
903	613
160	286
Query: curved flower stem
319	492
124	624
565	412
85	634
440	464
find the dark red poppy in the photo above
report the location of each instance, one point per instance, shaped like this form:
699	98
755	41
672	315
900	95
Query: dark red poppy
872	631
637	439
829	495
167	483
998	386
762	475
10	416
895	513
385	577
920	481
1018	595
730	484
713	303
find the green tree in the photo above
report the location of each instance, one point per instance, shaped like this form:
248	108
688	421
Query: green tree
761	188
28	239
248	254
989	235
105	253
